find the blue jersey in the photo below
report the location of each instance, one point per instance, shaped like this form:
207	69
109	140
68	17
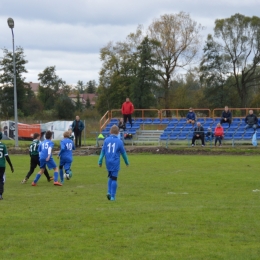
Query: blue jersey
66	147
44	149
112	148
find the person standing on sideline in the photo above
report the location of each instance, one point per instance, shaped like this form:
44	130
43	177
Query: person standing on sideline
35	159
127	111
219	134
66	156
4	156
226	116
45	151
77	128
112	148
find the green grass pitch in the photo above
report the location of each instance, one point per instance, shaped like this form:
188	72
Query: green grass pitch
167	207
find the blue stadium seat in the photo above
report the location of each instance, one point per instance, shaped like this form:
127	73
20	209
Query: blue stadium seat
185	132
174	120
136	126
240	131
178	127
157	121
139	121
147	121
173	137
167	131
228	136
236	120
182	120
164	137
209	121
132	131
182	136
247	136
165	121
176	131
114	120
201	120
105	132
237	136
249	130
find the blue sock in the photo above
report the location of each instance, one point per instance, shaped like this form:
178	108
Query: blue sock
61	175
109	186
113	188
38	176
56	176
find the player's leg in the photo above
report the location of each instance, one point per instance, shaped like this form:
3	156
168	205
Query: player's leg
109	183
2	172
113	185
67	168
33	165
61	172
39	174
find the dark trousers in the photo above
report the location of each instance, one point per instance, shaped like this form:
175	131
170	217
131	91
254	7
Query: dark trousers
77	138
35	161
222	121
201	137
218	139
129	117
2	171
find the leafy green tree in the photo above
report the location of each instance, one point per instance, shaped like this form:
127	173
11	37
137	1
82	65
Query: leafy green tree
146	79
81	87
64	108
7	81
78	104
91	87
51	87
239	38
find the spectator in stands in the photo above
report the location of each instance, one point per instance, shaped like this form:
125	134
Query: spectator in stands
122	128
127	111
226	116
198	134
209	135
251	120
219	134
191	117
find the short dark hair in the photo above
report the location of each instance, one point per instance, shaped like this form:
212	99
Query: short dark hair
48	134
36	135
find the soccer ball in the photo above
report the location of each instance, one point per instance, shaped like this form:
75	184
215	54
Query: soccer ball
66	176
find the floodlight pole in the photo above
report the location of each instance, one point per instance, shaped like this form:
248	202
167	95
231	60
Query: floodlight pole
10	23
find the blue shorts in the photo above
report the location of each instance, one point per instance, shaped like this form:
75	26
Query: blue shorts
112	173
51	164
65	164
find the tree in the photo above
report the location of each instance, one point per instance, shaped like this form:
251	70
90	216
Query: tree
7	81
179	42
81	87
146	77
64	108
50	87
239	38
91	87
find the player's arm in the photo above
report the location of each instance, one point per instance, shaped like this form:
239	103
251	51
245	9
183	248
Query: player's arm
9	162
49	153
124	155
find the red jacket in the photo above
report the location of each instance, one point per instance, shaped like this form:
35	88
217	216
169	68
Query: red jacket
127	108
219	131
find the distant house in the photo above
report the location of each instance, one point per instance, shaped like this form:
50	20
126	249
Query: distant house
83	98
34	87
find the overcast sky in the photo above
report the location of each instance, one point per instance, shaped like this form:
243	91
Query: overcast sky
70	34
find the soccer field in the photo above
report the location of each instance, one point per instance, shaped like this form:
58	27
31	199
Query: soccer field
167	207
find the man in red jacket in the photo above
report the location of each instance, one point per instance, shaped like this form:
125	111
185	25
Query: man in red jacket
127	111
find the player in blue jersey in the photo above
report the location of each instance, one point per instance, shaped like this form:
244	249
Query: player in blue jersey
45	151
66	156
111	150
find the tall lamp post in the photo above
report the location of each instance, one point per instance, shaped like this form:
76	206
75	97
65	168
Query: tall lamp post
10	23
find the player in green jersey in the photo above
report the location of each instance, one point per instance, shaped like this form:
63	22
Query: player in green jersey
34	154
3	156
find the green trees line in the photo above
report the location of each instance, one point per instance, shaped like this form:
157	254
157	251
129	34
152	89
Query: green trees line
163	66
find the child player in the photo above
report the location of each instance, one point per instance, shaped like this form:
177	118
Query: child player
3	156
35	160
65	154
112	148
45	151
